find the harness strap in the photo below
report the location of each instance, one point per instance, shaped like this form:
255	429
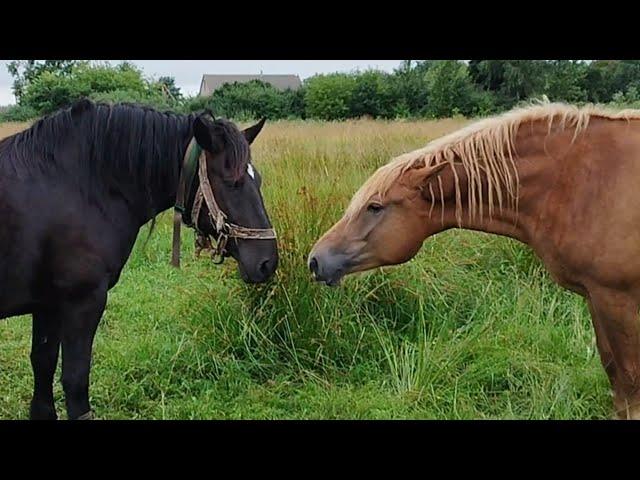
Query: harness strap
215	213
175	248
196	161
189	170
182	194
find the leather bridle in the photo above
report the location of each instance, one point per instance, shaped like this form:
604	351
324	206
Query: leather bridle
195	163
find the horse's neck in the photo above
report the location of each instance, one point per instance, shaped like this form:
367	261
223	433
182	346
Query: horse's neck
515	219
164	197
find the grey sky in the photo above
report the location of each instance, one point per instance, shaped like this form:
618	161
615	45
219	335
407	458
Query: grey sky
188	73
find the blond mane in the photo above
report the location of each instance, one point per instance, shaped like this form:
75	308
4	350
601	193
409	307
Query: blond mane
488	146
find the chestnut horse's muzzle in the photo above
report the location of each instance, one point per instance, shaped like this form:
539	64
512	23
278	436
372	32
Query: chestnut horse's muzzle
328	267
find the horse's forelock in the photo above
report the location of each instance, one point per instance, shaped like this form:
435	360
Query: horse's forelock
236	147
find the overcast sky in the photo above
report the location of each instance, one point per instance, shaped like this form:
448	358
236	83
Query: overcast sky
188	73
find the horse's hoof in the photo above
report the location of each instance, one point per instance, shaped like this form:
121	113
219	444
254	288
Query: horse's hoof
38	412
47	416
87	416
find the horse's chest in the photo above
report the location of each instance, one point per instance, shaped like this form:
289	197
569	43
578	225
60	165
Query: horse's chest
565	275
565	261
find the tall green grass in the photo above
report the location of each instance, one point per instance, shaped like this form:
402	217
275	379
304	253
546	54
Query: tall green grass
471	328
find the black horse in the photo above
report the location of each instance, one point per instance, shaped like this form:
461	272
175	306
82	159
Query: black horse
75	189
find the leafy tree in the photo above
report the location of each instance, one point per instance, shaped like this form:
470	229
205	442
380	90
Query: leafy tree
53	90
451	91
565	81
372	95
154	98
247	100
626	74
26	71
329	97
598	81
293	101
17	113
415	88
511	81
487	74
409	89
628	99
168	84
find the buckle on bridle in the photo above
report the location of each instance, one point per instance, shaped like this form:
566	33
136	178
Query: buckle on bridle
217	256
203	242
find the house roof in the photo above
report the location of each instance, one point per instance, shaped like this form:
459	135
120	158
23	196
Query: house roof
210	83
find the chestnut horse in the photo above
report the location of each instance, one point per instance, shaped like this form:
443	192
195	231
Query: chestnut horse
563	180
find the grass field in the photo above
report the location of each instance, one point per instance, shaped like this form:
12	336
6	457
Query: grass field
472	328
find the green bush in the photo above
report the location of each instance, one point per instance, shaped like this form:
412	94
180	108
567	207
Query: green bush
566	81
25	71
482	103
246	100
427	88
408	89
628	99
17	113
51	91
451	91
150	98
509	81
294	103
329	97
168	85
108	79
372	95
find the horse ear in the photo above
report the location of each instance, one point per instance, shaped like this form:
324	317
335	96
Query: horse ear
81	105
252	132
204	135
436	169
420	176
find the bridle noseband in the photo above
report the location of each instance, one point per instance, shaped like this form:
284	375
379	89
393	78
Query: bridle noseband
195	158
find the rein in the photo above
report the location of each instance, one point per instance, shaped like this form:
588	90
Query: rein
195	163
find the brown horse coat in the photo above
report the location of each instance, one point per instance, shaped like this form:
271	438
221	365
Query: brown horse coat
562	179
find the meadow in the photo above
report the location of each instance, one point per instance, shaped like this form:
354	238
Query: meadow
472	328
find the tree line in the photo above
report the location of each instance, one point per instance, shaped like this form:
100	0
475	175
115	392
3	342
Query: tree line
416	89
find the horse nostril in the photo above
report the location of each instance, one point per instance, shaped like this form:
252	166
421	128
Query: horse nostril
313	265
264	267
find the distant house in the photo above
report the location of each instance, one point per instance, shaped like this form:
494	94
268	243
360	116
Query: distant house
210	83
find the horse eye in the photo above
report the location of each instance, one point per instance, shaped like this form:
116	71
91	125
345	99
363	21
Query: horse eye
375	207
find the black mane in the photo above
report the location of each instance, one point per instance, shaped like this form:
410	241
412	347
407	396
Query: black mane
98	143
121	147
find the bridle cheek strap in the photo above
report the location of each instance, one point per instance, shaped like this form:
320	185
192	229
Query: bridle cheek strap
224	229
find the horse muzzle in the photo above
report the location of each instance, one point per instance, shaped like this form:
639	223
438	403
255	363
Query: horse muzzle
328	267
255	267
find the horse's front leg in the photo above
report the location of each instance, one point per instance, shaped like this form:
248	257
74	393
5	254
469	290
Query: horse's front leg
615	318
80	319
45	345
